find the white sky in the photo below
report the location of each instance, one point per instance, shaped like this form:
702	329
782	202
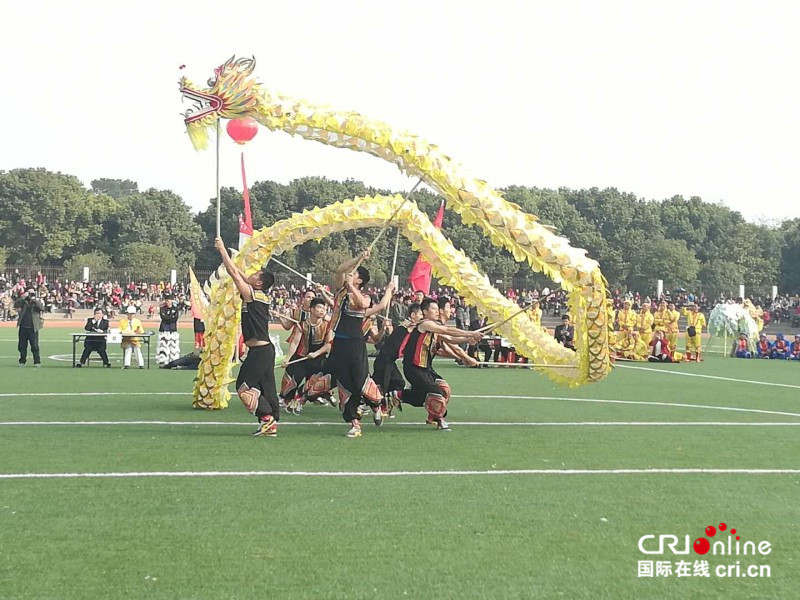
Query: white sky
658	99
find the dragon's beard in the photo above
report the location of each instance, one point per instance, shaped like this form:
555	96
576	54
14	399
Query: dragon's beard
198	131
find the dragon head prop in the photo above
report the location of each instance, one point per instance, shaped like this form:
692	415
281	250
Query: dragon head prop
230	94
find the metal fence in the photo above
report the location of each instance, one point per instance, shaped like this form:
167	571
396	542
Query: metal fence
520	282
125	276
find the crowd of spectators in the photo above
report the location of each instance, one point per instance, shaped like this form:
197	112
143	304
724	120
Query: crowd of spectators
64	297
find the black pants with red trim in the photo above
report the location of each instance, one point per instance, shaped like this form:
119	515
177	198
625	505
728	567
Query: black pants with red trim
347	365
294	375
423	382
258	371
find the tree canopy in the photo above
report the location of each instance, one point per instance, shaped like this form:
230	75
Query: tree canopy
50	218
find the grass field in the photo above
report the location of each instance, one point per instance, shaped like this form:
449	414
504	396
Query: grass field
556	522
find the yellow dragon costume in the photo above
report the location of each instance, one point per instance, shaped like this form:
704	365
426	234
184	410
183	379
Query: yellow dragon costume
233	93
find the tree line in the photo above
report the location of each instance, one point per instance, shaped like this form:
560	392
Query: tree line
52	219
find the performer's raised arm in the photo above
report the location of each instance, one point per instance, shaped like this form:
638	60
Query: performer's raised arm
353	281
347	267
239	278
325	295
384	303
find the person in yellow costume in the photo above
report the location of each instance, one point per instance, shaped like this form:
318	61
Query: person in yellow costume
672	326
626	318
695	321
535	313
644	322
634	347
759	318
756	312
129	325
661	318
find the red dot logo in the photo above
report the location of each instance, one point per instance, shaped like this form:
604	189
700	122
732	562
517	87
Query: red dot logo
733	531
710	531
722	527
701	546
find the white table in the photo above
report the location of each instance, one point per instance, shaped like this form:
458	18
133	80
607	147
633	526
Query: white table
77	337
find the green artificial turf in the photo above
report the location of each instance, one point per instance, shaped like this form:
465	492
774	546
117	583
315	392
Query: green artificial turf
410	536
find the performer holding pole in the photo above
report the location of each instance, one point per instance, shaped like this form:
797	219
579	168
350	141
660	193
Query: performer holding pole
428	388
299	314
385	371
347	365
310	340
255	384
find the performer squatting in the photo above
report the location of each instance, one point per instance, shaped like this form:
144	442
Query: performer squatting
428	389
310	340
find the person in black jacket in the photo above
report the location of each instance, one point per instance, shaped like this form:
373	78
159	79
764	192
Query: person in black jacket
29	308
565	333
95	343
169	346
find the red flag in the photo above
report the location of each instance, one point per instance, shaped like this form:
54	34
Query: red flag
420	277
246	221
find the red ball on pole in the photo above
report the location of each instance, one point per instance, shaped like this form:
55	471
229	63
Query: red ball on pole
242	130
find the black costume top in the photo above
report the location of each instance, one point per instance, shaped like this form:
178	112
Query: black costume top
420	348
255	317
346	320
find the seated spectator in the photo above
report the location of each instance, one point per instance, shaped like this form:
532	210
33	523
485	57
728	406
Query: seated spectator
780	349
635	348
794	349
763	347
659	348
95	343
742	348
565	333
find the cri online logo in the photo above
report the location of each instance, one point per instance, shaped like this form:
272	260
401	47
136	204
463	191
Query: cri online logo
721	545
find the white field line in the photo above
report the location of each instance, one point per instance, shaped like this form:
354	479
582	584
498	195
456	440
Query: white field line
717	377
72	394
41	342
408	424
639	402
547	398
132	474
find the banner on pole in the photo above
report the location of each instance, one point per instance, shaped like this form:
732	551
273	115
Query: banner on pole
420	277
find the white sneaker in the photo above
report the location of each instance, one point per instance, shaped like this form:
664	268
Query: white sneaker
355	430
377	416
443	425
